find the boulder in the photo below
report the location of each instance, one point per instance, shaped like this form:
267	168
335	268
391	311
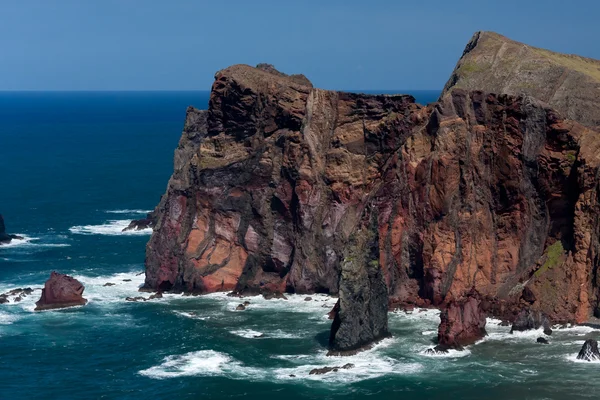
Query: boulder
307	298
462	322
529	319
108	284
240	307
542	340
589	351
61	291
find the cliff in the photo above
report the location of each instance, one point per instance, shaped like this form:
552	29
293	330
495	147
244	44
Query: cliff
282	187
568	83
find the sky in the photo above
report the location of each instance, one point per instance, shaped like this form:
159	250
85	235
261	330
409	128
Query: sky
337	44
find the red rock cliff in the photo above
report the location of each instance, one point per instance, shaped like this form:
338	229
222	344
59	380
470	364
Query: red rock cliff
484	191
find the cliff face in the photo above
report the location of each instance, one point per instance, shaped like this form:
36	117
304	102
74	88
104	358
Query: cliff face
270	183
496	64
279	186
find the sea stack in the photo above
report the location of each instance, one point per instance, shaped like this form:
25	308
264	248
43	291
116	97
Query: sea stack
5	238
60	291
462	322
361	318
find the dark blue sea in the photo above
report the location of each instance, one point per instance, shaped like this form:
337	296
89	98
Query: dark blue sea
76	168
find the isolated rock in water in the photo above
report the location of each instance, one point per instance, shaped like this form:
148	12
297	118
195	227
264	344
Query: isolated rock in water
134	299
240	307
17	295
362	317
141	224
494	63
542	340
462	322
157	295
529	319
5	238
246	303
61	291
325	370
274	295
589	351
108	284
439	350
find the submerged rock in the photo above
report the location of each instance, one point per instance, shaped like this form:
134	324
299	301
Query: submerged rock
529	319
108	284
325	370
589	351
440	350
61	291
274	295
134	299
462	322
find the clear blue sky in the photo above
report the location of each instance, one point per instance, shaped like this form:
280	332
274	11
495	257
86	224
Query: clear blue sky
338	44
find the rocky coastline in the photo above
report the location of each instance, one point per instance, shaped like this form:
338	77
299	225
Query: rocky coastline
280	187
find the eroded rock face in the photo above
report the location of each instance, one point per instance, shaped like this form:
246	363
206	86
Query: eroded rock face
589	351
61	291
272	183
462	322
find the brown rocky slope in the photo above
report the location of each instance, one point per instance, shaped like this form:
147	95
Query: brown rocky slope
279	186
497	64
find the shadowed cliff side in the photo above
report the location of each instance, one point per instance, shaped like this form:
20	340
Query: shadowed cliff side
496	64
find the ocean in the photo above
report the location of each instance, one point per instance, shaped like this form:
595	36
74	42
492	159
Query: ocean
77	167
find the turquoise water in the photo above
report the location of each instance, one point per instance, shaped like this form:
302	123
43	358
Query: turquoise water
76	168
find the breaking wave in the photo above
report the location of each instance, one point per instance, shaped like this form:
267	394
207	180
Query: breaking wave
110	228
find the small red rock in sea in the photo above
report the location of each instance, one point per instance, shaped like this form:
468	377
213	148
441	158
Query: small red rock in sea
61	291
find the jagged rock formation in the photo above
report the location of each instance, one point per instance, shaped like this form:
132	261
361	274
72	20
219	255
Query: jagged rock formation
281	187
462	322
61	291
5	238
361	318
143	223
568	83
528	319
589	351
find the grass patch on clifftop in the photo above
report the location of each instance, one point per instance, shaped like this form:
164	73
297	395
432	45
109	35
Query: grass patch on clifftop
553	257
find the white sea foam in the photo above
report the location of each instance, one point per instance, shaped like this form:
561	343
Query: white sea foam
367	365
29	241
277	334
452	353
128	211
200	363
191	315
573	358
7	318
429	333
248	333
110	228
